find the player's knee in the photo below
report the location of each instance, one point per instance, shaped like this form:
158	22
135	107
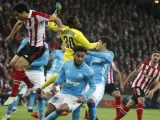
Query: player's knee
91	100
116	94
17	66
141	100
12	64
91	103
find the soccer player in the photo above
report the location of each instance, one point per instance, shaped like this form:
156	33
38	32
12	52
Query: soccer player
111	88
146	73
35	23
36	75
100	62
75	74
57	57
71	36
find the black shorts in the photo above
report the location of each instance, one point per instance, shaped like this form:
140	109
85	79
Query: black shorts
31	53
110	88
137	92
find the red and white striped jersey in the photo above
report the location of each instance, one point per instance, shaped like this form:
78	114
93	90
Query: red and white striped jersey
146	75
35	25
113	67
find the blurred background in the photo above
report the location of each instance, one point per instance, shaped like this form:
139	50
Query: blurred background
134	26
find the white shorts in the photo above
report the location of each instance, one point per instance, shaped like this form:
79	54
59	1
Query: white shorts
49	88
61	98
36	77
22	88
97	95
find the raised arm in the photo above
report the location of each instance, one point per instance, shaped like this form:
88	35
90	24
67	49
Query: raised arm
107	56
15	29
131	76
82	40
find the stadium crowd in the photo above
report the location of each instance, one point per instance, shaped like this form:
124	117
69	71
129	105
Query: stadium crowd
135	33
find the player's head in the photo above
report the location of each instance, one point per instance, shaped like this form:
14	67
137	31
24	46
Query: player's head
73	22
79	53
21	10
104	43
155	56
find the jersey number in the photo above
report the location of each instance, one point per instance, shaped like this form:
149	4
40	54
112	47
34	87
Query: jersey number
69	42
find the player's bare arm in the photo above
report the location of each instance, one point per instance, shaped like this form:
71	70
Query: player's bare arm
120	80
131	77
15	29
151	92
58	22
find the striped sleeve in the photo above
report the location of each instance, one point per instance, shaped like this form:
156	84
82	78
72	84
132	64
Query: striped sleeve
114	67
41	16
140	67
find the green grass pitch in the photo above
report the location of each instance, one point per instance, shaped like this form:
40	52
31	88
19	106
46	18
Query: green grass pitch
102	113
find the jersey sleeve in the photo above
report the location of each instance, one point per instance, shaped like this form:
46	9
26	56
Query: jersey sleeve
140	67
114	67
107	56
81	39
61	76
87	59
92	85
41	16
52	26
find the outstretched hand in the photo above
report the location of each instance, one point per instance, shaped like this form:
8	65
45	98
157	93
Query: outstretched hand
9	39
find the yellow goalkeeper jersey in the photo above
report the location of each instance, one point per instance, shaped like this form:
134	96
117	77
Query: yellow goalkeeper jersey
72	37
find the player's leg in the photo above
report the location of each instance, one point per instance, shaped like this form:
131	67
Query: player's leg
113	90
15	103
126	108
76	114
51	109
140	104
14	61
31	101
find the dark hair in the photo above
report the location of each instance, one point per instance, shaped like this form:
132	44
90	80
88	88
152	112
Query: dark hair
79	49
70	20
106	40
156	51
21	7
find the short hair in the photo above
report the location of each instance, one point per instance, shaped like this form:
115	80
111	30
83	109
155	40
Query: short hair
70	20
156	51
21	7
79	49
106	40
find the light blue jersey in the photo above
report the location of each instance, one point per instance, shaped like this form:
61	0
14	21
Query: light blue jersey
76	78
38	64
57	57
100	63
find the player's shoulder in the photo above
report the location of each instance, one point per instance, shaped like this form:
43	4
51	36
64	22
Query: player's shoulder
158	67
145	62
76	31
68	63
88	68
110	52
